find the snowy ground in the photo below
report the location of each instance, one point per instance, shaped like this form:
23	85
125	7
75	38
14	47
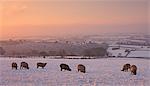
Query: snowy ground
100	72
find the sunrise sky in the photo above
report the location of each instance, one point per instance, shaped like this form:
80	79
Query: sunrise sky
20	18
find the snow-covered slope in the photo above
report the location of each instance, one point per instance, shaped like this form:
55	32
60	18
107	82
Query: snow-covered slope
145	54
100	72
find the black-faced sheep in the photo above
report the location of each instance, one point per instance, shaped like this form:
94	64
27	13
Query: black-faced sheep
65	67
24	65
41	65
81	68
126	67
14	65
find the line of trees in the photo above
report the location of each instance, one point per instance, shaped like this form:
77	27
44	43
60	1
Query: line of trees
89	52
99	51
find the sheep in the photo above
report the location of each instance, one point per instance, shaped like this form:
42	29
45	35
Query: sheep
41	65
65	67
126	67
81	68
133	69
24	65
14	65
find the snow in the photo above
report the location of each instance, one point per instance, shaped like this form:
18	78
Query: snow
145	54
131	47
100	72
117	52
136	51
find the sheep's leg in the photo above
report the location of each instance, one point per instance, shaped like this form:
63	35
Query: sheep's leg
134	72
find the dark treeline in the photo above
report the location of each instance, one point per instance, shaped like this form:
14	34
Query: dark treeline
54	49
89	52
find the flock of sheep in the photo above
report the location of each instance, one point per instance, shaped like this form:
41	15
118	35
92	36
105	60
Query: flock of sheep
24	65
131	68
80	67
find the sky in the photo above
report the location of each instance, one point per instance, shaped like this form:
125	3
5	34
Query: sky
20	18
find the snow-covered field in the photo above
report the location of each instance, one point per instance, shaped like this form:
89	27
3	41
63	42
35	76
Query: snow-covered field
100	72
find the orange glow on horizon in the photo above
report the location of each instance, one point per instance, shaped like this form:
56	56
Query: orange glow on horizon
17	15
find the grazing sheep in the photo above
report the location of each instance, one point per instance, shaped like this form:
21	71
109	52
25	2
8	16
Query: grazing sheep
65	67
126	67
41	65
81	68
24	65
14	65
133	69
